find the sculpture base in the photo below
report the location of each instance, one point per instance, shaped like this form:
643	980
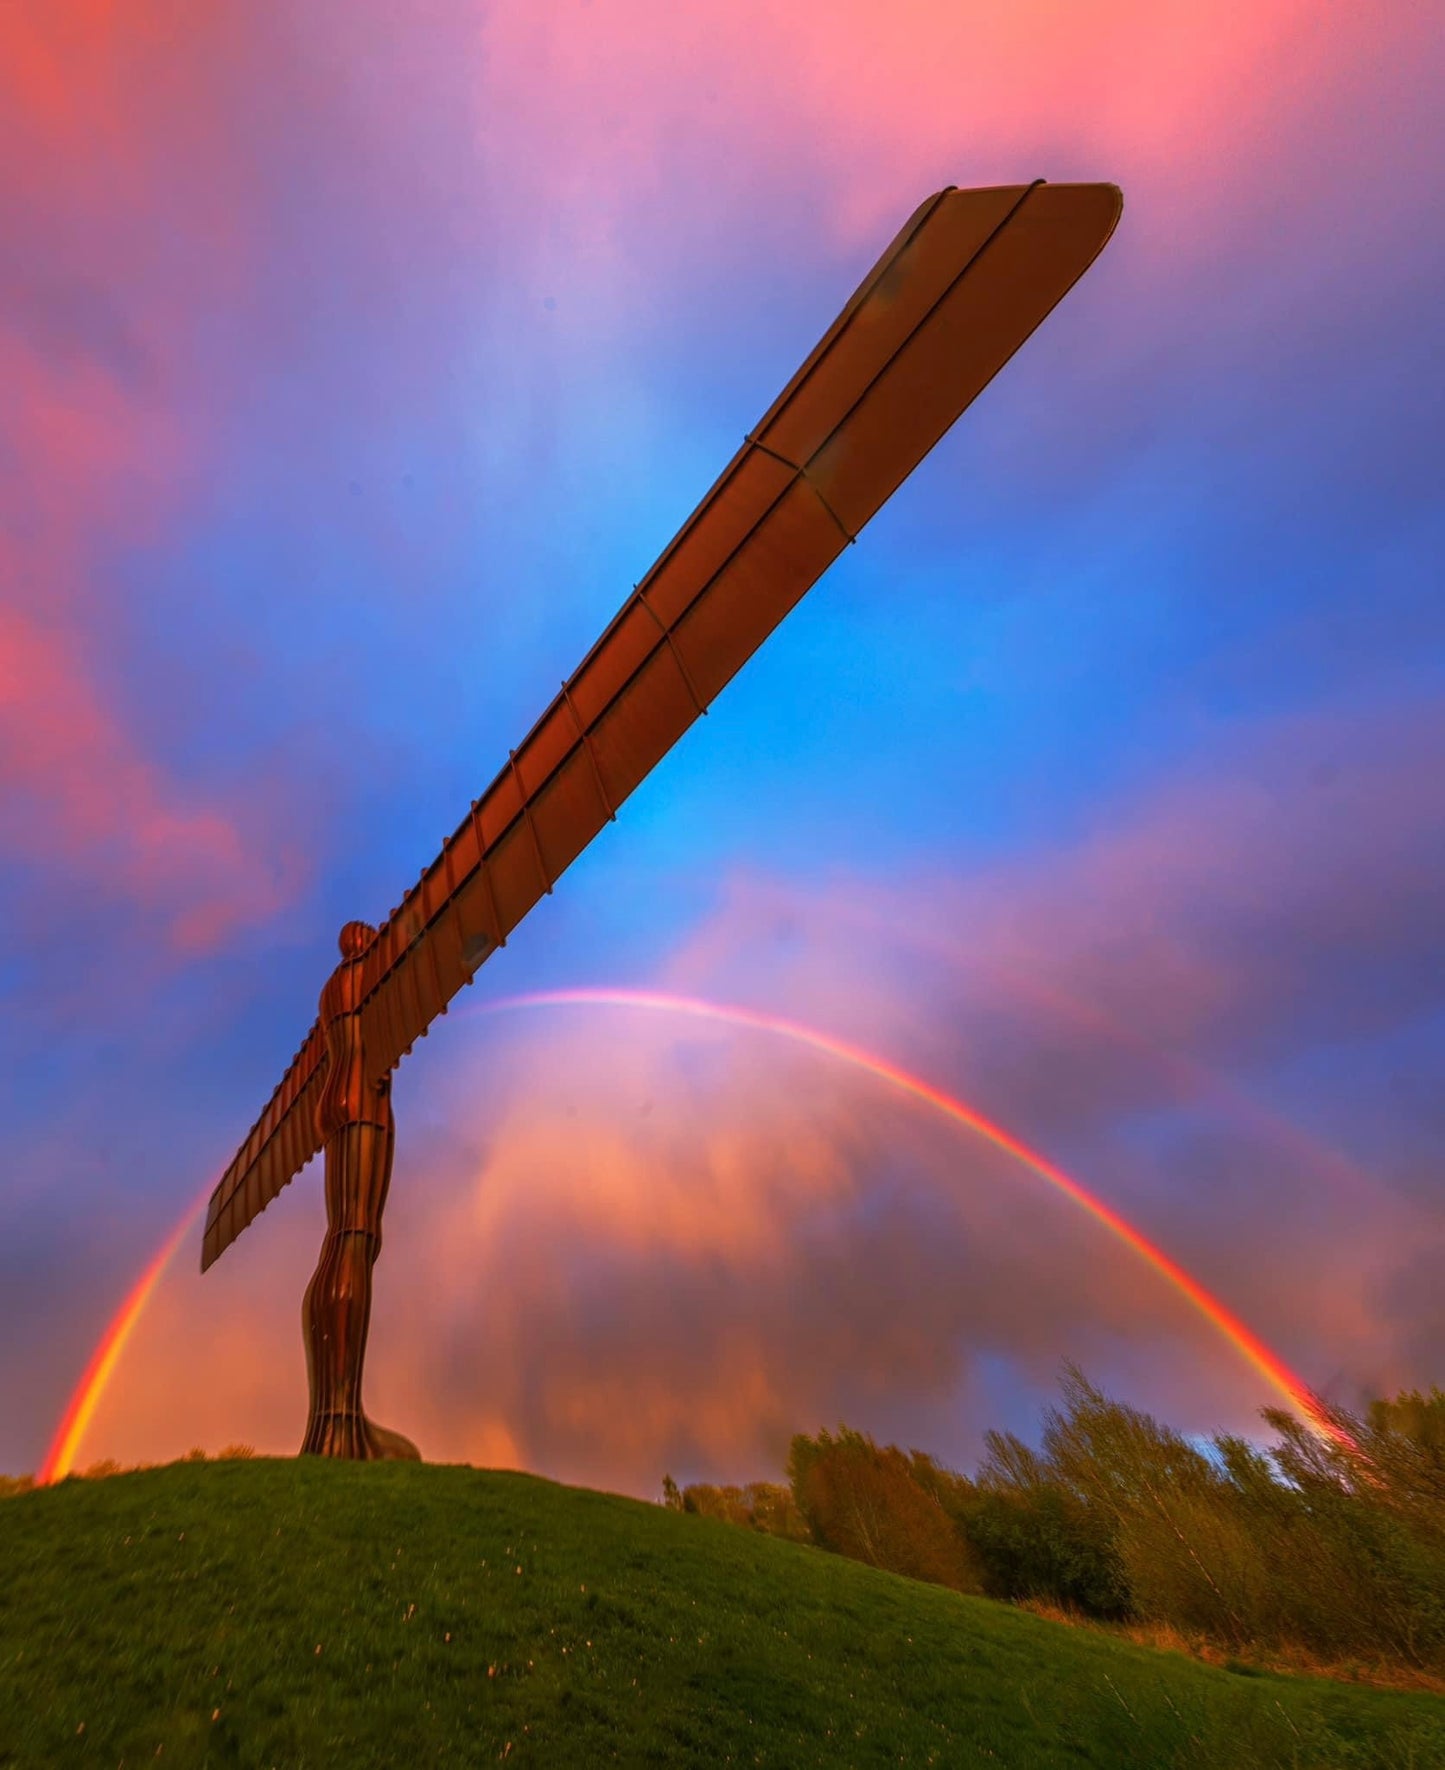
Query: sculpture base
358	1438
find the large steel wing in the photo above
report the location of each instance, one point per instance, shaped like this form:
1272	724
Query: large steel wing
967	279
277	1147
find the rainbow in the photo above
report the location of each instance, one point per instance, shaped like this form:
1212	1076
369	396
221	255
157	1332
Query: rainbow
65	1446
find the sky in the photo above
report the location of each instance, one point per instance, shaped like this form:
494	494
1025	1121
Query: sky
355	361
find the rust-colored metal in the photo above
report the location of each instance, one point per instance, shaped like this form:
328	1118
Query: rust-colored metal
967	279
354	1123
639	596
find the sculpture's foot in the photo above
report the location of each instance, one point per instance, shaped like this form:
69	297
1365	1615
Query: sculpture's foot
352	1435
335	1435
388	1446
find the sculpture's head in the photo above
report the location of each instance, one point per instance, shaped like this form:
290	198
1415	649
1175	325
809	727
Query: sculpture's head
355	938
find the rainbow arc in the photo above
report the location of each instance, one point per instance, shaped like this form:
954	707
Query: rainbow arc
69	1434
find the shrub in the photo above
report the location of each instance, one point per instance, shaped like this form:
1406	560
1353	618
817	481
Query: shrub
866	1503
1041	1543
762	1505
1325	1547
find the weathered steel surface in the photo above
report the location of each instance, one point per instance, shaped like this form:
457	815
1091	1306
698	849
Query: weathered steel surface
964	283
353	1116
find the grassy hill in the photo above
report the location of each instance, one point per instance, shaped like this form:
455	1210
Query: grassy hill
311	1613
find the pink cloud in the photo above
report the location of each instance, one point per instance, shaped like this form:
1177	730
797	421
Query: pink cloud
102	445
80	799
866	110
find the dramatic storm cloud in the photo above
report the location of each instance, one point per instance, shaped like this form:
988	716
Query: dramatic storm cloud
356	360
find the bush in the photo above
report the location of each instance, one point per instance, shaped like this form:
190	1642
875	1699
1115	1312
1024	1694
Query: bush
1328	1546
762	1505
1042	1544
1332	1544
866	1503
1367	1526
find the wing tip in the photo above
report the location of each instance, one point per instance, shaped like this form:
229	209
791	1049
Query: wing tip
1110	193
1097	204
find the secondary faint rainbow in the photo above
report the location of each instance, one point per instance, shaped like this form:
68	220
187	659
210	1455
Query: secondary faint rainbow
65	1446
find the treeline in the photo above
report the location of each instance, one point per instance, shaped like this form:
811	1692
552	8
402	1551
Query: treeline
1327	1551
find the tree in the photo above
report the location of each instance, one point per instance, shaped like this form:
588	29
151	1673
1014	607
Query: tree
864	1502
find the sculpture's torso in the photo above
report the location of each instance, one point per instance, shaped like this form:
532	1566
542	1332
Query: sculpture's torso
347	1098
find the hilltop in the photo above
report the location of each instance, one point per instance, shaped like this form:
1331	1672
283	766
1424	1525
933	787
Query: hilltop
319	1613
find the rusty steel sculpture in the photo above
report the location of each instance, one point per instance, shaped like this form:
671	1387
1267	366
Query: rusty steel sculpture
967	279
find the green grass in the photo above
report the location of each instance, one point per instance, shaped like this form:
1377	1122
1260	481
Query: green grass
344	1614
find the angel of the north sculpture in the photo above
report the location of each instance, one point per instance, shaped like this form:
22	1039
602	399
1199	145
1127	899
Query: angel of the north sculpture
967	279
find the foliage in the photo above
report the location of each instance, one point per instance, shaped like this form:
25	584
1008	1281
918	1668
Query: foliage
1042	1543
761	1505
1416	1420
868	1503
1334	1544
1014	1532
1367	1512
1326	1549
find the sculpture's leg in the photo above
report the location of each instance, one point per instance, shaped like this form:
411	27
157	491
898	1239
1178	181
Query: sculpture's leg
337	1310
385	1444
